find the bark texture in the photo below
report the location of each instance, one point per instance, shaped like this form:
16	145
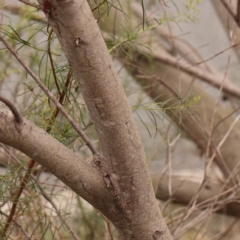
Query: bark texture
76	173
161	70
123	166
166	79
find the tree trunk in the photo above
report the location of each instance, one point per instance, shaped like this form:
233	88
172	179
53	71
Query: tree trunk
134	210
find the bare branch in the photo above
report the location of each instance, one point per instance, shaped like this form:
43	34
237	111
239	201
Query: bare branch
238	13
230	10
184	191
14	110
228	20
210	78
76	173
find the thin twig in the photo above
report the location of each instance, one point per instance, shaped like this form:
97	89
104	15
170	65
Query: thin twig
51	60
228	9
19	119
108	225
51	96
146	75
14	110
18	225
61	98
195	71
30	4
31	164
223	234
228	132
9	153
16	199
215	110
215	55
99	5
238	13
58	212
225	118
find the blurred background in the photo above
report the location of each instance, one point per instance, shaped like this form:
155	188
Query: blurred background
178	61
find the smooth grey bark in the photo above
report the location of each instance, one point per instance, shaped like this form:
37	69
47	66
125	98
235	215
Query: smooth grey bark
133	208
81	176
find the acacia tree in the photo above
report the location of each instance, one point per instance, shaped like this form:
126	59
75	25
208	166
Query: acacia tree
117	181
158	72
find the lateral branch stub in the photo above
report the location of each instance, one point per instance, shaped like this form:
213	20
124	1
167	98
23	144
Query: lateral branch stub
16	114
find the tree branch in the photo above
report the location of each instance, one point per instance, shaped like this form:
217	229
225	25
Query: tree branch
194	71
196	120
211	195
182	47
123	166
228	21
79	175
51	96
14	110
